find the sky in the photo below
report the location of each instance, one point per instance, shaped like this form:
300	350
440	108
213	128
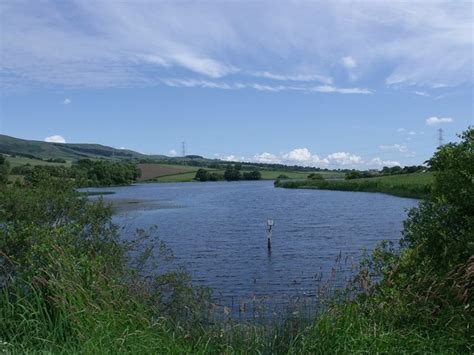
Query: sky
333	84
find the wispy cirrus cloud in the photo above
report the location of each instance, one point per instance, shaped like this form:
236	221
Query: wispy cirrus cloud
193	83
117	44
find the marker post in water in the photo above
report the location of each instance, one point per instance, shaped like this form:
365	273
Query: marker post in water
270	225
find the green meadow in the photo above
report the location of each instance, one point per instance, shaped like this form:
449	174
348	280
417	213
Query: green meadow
416	185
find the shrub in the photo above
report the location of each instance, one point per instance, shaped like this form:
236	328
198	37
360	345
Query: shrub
202	175
315	176
252	175
4	169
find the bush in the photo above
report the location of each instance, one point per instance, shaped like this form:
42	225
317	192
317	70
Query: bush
232	173
315	176
69	284
216	177
252	175
202	175
22	169
4	169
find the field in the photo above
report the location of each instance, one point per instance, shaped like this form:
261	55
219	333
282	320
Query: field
189	172
153	171
18	161
417	185
273	175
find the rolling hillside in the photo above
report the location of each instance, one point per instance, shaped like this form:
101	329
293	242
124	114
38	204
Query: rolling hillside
37	149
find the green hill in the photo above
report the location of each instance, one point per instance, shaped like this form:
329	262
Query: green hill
67	151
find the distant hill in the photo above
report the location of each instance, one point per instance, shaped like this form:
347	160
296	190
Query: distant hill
45	151
38	149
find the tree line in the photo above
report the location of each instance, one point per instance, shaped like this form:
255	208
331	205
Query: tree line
84	172
231	173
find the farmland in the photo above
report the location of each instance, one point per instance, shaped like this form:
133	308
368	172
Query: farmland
180	173
154	171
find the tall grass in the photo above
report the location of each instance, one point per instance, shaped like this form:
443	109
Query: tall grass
417	185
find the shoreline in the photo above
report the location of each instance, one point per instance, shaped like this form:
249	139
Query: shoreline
387	185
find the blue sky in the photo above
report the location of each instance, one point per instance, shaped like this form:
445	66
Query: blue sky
329	84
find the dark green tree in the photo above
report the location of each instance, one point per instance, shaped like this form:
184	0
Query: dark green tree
202	175
440	232
232	173
252	175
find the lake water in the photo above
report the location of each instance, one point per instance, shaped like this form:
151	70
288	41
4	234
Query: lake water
217	230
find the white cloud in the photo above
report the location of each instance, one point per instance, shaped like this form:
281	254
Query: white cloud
192	83
173	153
55	139
298	155
302	157
202	65
332	89
434	121
400	130
344	158
349	62
295	77
66	101
379	162
421	93
402	148
266	158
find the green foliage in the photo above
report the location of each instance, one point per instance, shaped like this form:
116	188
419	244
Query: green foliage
315	176
252	175
232	172
424	294
202	175
4	170
216	177
394	170
104	173
441	230
69	284
86	173
416	185
22	169
355	174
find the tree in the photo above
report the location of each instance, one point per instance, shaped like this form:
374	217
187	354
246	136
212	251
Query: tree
232	173
215	177
441	230
202	175
252	175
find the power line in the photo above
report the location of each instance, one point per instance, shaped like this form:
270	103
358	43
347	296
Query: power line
440	137
183	146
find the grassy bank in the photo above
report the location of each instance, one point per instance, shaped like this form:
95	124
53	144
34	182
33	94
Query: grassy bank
417	185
